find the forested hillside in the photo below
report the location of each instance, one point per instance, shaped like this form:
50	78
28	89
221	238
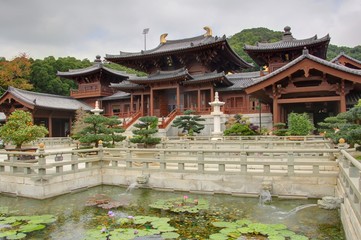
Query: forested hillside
40	75
254	35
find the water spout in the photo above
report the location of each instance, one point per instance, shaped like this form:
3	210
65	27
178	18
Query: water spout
131	187
295	210
265	197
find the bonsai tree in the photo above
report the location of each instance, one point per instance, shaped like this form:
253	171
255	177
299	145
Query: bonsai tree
299	124
145	128
19	129
189	123
102	128
115	129
280	129
345	125
239	126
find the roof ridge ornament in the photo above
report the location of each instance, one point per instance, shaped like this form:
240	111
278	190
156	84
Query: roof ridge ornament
162	38
208	31
305	51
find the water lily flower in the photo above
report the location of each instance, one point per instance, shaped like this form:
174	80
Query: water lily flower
185	197
130	217
136	232
111	214
103	230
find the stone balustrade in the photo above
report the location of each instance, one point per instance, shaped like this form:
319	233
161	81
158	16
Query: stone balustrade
349	189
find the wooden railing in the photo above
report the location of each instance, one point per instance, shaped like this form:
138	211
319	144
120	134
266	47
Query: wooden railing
168	119
91	90
128	122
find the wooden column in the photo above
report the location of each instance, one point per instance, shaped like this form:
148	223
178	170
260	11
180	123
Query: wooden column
131	104
142	104
178	98
276	110
212	94
342	97
50	126
151	103
199	100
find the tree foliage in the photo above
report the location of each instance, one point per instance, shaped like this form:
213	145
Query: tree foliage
239	125
43	74
251	37
345	125
79	124
99	127
299	124
19	129
189	123
145	128
15	73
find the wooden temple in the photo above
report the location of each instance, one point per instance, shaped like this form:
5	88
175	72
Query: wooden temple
299	79
54	112
184	74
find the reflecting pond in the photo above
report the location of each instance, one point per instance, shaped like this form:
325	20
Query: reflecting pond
75	217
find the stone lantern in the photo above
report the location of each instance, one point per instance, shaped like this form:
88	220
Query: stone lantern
216	104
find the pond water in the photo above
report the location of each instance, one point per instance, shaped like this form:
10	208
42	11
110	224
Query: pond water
74	218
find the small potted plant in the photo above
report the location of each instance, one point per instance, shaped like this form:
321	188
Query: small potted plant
19	129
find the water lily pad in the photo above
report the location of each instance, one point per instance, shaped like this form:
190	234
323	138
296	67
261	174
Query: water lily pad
218	236
17	236
31	227
298	237
170	235
181	204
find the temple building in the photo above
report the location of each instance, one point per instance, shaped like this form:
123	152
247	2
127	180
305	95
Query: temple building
299	79
54	112
186	73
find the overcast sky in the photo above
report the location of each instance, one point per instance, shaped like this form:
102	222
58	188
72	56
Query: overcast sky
86	28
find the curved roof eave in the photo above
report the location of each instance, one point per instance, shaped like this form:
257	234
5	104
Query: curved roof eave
299	59
293	44
49	101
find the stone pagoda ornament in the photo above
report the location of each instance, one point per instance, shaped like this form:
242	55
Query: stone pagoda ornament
216	104
96	110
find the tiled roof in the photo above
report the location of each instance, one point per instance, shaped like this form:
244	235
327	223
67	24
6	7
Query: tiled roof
346	56
161	75
209	77
43	100
116	96
126	85
299	59
93	69
293	43
240	81
287	42
172	45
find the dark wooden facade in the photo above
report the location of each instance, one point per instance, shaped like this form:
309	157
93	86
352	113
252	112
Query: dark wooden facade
55	112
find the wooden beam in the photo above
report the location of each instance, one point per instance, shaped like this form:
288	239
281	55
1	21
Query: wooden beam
310	99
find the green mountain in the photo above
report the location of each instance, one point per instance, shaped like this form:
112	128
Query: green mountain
261	34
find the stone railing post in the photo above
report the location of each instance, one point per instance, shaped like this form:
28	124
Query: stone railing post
163	164
42	160
200	158
128	159
101	153
290	163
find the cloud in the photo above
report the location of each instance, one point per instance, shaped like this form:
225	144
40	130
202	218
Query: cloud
85	28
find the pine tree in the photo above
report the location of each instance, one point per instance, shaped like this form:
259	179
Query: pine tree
145	128
189	123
